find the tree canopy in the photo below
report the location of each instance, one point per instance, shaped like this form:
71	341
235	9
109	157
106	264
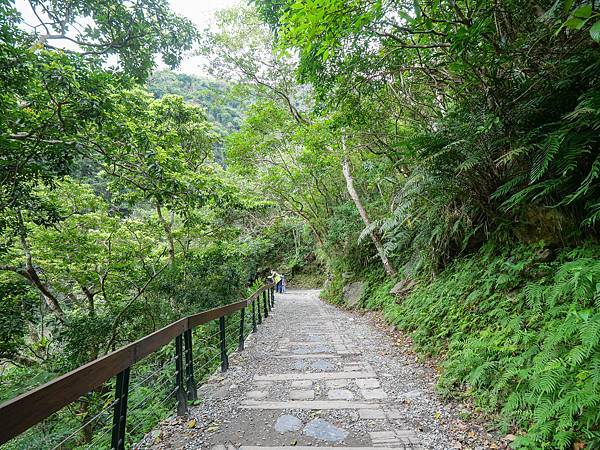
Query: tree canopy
448	149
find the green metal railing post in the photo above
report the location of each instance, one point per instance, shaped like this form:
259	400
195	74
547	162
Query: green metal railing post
120	410
181	396
241	343
264	296
258	308
224	358
192	394
253	318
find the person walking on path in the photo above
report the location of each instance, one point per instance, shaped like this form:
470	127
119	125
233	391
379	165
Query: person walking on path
277	279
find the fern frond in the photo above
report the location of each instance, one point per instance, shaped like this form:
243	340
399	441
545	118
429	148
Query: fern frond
545	155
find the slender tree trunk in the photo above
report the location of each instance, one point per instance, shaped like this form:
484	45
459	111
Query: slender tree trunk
22	360
117	320
87	430
387	264
168	227
89	295
30	273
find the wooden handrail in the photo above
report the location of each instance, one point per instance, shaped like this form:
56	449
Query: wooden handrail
21	413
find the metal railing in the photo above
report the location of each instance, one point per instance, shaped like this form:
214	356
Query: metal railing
26	410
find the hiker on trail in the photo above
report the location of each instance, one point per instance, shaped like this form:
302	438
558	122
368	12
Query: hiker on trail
277	279
283	284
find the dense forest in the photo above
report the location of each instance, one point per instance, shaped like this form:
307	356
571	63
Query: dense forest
222	106
444	153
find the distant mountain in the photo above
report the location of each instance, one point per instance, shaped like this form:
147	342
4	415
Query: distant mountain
222	107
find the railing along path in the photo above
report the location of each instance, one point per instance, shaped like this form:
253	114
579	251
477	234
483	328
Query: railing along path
25	411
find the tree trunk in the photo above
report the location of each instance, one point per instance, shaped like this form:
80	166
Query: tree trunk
387	265
22	360
89	295
30	273
168	227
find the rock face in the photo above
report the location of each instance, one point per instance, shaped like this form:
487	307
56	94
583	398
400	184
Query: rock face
353	293
403	288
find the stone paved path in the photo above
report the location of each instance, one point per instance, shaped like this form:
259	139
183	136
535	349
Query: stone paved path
315	376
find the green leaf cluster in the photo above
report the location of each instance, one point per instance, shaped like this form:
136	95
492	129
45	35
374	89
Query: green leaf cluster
518	331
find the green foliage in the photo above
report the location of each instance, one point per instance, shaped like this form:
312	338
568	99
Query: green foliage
213	277
134	33
56	103
519	333
378	292
15	310
563	168
487	118
472	133
115	218
293	252
242	50
332	290
467	133
218	98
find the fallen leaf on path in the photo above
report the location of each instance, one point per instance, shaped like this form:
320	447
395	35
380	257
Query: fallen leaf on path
191	423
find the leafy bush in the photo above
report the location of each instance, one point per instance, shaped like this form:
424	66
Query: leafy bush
332	291
519	332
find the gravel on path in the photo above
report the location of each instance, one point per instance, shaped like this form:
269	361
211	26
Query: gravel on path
317	376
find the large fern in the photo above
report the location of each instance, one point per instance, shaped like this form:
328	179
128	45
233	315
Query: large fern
560	152
521	335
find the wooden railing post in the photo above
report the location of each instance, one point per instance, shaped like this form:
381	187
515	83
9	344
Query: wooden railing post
192	394
120	410
224	358
272	289
180	392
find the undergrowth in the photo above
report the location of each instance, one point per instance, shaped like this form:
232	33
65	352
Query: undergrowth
519	332
306	280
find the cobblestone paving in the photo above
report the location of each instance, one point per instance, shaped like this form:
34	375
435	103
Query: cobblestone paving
315	376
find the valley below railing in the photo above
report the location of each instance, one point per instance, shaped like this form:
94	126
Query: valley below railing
177	369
